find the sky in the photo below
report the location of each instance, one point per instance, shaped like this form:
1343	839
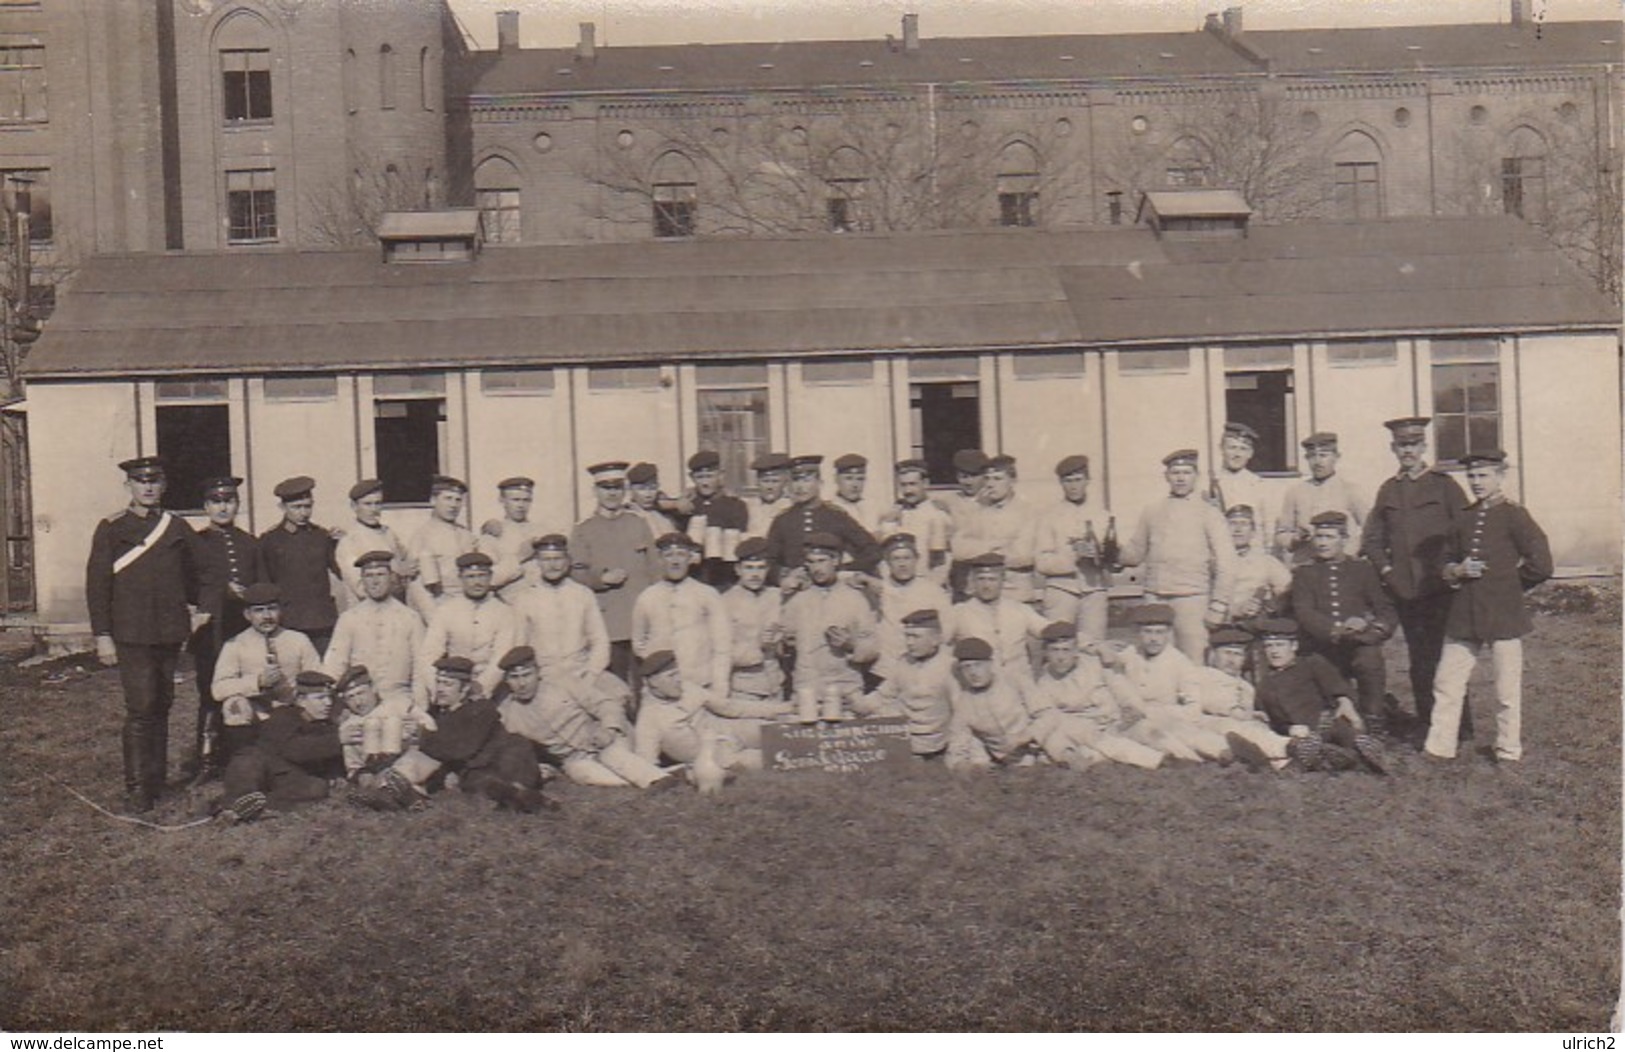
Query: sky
553	23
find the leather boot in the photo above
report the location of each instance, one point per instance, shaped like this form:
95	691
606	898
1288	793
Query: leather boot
136	797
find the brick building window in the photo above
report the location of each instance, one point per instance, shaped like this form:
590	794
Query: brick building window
22	83
674	196
1189	163
251	206
1523	175
245	84
1357	177
1017	185
386	78
39	201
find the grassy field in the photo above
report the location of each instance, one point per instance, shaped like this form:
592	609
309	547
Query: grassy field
1460	897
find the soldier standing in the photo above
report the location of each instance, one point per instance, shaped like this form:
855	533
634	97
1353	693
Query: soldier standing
298	557
140	577
228	561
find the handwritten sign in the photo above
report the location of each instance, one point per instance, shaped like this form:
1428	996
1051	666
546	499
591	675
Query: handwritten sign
840	748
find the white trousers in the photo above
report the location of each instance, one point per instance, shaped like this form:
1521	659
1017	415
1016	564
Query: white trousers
1450	693
1190	630
615	765
1086	611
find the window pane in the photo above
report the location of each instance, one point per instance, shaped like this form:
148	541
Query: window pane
1261	356
623	378
409	383
1449	390
190	390
22	83
1039	365
195	441
1349	352
499	209
407	437
516	381
944	367
1266	402
1483	389
301	388
1451	434
943	419
1171	360
735	425
1466	349
743	374
1483	432
838	371
38	185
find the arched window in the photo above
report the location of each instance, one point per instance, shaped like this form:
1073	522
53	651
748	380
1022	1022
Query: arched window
352	86
846	176
1017	185
496	194
1523	174
1189	163
386	77
674	186
425	80
243	41
1357	177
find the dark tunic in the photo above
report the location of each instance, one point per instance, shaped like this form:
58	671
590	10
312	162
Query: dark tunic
145	602
1409	531
1516	557
226	556
472	741
1300	693
292	760
1327	592
722	510
298	561
787	537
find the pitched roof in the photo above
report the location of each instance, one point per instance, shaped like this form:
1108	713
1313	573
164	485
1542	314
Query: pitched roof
221	312
1084	57
448	223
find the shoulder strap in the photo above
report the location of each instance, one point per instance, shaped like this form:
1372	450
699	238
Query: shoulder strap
158	529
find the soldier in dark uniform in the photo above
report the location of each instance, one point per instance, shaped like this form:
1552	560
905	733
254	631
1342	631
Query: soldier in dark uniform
1497	553
1343	614
228	561
296	758
139	580
713	518
1405	539
298	557
787	537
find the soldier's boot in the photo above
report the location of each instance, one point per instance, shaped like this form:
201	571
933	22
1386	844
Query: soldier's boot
1370	750
1304	754
136	797
245	808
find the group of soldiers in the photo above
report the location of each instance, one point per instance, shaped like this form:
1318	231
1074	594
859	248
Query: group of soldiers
650	645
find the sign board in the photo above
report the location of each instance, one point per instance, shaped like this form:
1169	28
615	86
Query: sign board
840	747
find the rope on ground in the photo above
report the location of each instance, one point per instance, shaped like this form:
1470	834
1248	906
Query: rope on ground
131	818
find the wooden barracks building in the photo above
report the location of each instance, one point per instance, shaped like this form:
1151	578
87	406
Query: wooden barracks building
1034	245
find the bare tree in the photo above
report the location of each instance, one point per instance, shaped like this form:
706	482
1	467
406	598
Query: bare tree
874	164
347	215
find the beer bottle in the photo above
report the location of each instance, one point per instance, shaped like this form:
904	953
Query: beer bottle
1092	541
1110	553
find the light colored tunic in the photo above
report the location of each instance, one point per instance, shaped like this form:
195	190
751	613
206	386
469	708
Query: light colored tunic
386	637
480	631
687	618
562	623
808	614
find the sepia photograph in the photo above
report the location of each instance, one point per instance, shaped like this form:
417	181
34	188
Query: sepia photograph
627	516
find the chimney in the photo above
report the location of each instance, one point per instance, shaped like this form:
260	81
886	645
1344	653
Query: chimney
507	30
587	46
1519	13
1211	23
1232	21
911	33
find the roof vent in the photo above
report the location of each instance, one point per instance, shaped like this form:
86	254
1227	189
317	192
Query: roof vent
911	33
587	43
1195	214
507	30
450	236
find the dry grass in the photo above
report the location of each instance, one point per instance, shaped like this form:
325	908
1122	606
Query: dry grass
1454	898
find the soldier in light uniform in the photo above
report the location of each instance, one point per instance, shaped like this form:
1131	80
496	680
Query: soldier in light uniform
369	534
680	614
437	545
1068	555
645	498
1324	490
1189	558
1240	484
851	480
559	619
1148	675
675	719
1074	685
772	480
1004	524
1262	581
996	721
298	558
1407	538
228	561
1497	553
899	592
512	539
755	627
914	513
1223	700
257	668
1012	628
961	507
379	632
918	685
1344	615
613	554
472	624
139	580
587	736
830	625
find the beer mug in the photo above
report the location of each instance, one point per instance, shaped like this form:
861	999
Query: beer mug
390	735
834	702
807	704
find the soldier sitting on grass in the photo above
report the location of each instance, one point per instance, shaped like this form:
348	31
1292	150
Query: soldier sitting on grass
996	720
374	730
256	668
1306	700
1224	701
295	758
676	720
